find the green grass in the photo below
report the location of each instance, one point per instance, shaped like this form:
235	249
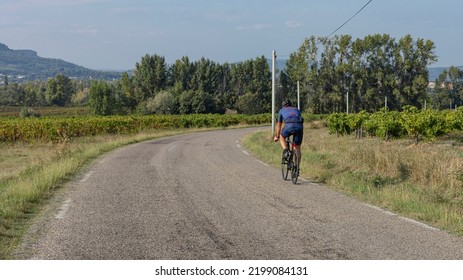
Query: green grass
25	191
422	182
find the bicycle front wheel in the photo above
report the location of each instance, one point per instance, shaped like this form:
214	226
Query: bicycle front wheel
285	167
294	167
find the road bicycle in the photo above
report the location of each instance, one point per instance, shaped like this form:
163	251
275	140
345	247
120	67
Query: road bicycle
290	162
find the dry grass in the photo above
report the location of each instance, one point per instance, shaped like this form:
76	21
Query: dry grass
18	158
421	181
34	172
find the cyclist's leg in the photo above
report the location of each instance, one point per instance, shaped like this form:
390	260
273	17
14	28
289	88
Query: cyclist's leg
298	151
298	136
283	142
283	134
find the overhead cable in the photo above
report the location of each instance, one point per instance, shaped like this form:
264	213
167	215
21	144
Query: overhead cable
349	19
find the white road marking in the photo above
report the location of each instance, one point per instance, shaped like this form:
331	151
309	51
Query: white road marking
63	209
371	206
87	176
403	218
380	209
419	223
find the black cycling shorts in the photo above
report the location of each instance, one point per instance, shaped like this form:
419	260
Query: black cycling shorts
298	133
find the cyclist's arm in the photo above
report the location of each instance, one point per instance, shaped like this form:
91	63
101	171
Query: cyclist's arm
278	131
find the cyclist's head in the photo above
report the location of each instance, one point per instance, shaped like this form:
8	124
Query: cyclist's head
286	103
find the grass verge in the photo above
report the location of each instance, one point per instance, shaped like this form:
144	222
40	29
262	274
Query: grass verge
25	191
422	182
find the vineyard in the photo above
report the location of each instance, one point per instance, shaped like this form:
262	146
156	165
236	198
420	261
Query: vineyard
411	122
58	129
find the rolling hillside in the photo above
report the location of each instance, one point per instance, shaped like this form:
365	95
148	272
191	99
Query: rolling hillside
20	65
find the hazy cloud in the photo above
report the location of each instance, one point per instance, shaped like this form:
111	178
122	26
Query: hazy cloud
224	16
259	26
293	24
88	31
60	3
127	10
151	34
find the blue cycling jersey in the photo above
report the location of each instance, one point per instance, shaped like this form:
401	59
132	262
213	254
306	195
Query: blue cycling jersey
293	120
291	116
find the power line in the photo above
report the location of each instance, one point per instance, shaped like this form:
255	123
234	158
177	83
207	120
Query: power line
349	19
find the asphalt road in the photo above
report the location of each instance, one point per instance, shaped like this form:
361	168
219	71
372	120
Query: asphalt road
202	196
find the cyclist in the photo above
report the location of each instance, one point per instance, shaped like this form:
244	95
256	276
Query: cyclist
293	125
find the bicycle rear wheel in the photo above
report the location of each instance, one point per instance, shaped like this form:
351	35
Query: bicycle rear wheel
294	167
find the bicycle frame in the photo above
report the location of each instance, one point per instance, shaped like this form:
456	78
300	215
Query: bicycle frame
291	163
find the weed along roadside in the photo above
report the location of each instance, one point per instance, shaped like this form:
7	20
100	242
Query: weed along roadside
25	192
422	182
40	168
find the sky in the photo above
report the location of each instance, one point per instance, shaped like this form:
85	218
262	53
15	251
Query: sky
115	34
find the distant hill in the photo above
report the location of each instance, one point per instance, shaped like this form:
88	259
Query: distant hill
20	65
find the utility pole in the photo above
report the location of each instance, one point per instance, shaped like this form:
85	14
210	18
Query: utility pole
298	99
347	103
274	57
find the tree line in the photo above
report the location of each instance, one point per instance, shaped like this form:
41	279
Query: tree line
373	72
57	91
196	87
155	87
448	89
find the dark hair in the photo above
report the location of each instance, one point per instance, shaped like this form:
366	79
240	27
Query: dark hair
286	103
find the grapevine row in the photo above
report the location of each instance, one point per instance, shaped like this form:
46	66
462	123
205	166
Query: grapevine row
58	129
411	122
